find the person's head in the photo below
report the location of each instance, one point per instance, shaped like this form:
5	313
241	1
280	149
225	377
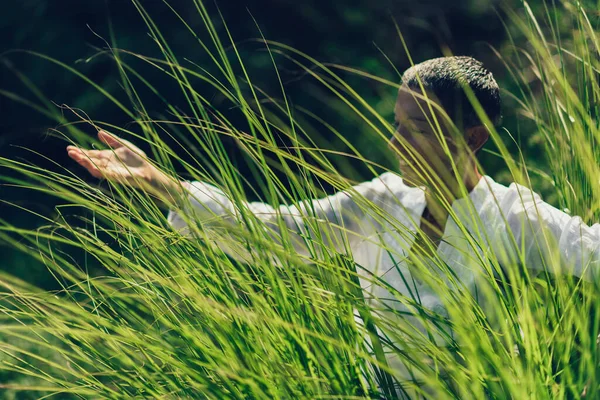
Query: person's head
435	85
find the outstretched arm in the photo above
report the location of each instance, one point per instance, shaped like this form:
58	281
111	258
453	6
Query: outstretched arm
335	222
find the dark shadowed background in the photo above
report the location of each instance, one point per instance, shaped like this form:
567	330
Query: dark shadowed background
359	34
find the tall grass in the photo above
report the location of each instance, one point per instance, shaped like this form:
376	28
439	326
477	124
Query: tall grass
175	316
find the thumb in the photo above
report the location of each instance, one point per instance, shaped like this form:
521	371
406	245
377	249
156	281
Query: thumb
110	139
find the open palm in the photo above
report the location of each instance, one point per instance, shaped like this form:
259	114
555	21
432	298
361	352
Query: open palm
124	163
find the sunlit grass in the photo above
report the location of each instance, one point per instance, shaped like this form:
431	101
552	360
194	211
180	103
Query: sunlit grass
174	316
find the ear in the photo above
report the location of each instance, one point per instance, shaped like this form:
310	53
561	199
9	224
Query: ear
476	137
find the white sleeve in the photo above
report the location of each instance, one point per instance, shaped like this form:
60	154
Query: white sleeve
551	239
337	221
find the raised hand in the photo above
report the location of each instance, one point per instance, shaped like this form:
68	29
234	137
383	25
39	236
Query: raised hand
127	164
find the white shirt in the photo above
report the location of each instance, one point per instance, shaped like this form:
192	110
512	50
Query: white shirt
379	236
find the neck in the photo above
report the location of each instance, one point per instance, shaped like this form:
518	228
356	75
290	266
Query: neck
435	199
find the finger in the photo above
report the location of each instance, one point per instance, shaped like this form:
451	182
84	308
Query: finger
75	153
99	154
93	165
74	150
111	140
117	142
93	154
90	165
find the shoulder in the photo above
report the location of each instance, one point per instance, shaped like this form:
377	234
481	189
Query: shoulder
508	197
388	190
389	180
388	183
519	203
521	198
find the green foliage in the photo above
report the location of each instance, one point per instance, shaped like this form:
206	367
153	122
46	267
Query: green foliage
152	313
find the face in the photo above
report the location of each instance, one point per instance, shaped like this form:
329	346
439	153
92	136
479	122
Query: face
417	140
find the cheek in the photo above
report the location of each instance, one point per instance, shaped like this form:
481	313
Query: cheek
439	158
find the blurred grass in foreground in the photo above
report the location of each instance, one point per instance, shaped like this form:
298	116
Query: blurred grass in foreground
175	317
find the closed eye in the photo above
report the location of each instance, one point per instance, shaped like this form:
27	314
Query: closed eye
397	127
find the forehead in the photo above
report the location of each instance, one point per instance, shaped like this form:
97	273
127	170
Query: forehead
414	104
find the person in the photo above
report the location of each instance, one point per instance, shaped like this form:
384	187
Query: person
439	207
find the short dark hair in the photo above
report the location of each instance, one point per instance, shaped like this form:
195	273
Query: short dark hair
445	77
